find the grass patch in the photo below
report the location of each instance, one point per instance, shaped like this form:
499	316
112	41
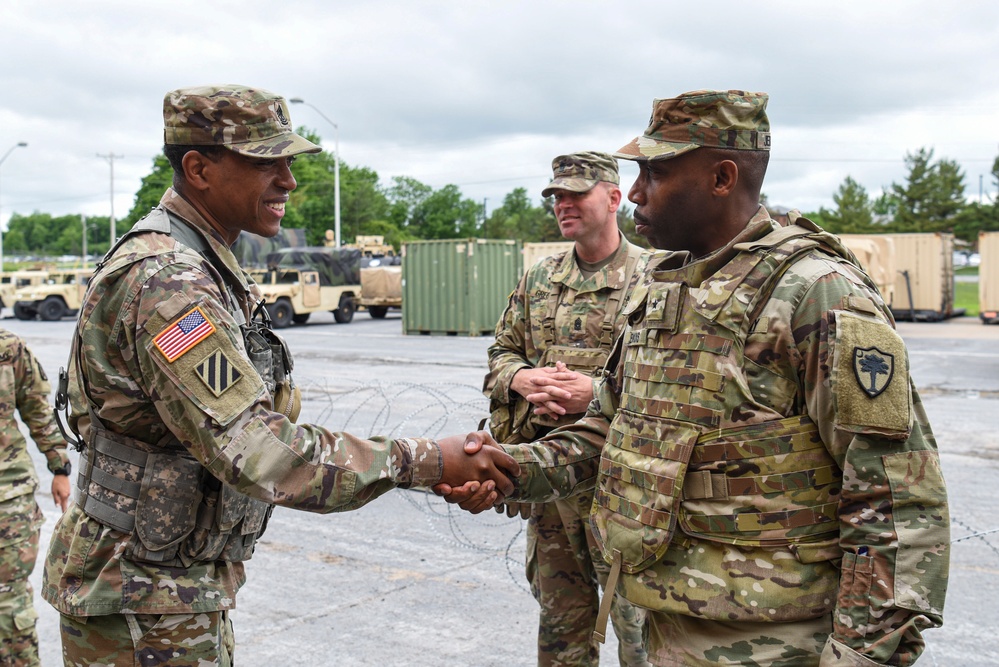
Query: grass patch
966	271
966	296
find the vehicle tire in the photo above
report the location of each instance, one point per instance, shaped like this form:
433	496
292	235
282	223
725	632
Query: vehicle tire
378	312
301	318
281	313
345	311
22	312
51	309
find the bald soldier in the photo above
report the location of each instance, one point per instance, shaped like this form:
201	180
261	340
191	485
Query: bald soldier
551	345
185	410
767	483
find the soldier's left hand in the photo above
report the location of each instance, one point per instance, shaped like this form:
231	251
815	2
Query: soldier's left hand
61	491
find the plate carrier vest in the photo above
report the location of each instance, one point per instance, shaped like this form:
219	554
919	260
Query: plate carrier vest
178	512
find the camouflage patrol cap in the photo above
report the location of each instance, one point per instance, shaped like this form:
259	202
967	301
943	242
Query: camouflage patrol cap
249	121
711	118
579	172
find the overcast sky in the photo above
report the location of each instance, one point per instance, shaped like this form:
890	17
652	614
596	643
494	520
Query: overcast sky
484	94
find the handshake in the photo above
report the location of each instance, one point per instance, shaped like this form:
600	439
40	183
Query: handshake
478	473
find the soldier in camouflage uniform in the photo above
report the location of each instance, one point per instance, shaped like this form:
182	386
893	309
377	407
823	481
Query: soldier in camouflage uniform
24	388
185	409
768	486
551	344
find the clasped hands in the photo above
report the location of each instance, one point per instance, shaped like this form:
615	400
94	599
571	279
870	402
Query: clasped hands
477	472
554	390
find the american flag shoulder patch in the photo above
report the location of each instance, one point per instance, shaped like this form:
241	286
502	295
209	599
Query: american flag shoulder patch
183	334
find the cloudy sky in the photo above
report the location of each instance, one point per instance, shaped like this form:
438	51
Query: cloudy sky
484	94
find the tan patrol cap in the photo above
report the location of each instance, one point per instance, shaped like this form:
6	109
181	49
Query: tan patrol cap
579	172
717	119
249	121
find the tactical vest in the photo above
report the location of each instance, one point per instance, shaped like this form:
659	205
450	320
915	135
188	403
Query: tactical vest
177	512
525	426
690	446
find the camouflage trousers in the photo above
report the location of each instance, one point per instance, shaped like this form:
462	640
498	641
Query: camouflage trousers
566	571
20	519
148	640
685	641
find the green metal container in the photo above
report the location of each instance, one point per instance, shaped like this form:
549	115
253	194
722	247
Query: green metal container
457	286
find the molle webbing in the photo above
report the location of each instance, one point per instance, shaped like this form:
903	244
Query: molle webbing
109	485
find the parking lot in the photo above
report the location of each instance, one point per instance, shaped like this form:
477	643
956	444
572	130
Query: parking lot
408	581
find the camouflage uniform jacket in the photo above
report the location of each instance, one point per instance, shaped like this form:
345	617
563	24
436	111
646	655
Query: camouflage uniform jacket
557	314
882	575
150	389
24	388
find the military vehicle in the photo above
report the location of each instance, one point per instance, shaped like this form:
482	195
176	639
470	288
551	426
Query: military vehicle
370	246
300	281
381	287
58	296
11	281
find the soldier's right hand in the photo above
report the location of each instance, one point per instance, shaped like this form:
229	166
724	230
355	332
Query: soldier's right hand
473	458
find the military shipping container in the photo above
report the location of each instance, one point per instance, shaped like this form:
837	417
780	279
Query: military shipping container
924	282
876	253
533	252
988	277
457	286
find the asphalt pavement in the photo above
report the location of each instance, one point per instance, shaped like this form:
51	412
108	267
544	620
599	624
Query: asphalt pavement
406	580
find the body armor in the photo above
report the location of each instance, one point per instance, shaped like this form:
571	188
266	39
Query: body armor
695	447
177	512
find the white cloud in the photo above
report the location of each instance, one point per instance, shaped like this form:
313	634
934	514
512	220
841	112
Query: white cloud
483	95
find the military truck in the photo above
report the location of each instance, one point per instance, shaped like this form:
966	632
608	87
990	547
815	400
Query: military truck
61	294
381	286
300	281
370	246
11	281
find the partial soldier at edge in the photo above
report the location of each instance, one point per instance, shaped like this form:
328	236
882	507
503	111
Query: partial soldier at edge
24	389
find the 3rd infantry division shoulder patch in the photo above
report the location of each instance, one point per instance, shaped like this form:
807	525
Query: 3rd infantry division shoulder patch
873	369
217	373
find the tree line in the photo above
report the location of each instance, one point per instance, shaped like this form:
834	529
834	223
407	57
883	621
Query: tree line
931	199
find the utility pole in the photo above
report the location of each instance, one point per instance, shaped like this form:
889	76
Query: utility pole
485	200
110	157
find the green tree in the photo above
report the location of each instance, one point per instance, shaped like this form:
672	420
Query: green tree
424	213
518	218
151	190
932	195
854	213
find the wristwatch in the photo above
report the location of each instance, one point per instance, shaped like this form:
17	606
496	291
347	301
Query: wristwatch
65	470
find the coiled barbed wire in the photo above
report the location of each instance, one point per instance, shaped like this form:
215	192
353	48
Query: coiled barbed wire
432	409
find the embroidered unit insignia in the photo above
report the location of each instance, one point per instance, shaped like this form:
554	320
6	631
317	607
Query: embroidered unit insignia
217	373
874	369
184	334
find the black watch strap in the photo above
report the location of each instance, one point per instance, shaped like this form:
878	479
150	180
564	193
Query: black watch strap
65	470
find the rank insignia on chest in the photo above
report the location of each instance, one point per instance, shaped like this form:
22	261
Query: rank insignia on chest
873	369
183	334
217	373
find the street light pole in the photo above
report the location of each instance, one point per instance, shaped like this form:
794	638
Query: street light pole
336	165
20	144
110	158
